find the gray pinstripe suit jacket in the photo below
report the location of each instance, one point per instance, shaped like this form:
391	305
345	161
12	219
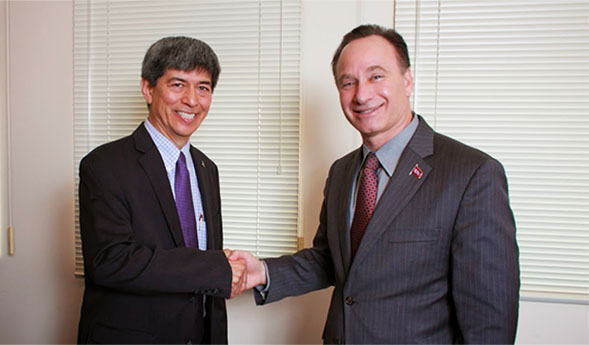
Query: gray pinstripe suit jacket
438	262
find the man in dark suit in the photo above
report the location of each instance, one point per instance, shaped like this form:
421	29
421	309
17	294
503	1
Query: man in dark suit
150	215
416	232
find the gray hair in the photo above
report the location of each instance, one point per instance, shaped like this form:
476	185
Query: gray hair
180	53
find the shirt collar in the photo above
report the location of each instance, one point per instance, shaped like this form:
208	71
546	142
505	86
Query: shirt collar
166	148
388	155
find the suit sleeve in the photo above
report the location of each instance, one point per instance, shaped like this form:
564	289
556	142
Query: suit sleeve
114	259
484	262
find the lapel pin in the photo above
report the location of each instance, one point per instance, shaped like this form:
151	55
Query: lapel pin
202	164
416	171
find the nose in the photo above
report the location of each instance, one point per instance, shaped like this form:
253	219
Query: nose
190	97
363	93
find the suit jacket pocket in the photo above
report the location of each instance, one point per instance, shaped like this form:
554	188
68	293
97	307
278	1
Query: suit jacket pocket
106	334
413	235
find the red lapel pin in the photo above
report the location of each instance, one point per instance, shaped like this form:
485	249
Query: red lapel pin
416	171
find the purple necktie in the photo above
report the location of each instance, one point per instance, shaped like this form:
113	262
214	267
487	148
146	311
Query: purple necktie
365	201
184	203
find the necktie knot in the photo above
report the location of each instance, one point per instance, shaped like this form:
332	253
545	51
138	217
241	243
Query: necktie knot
371	162
182	159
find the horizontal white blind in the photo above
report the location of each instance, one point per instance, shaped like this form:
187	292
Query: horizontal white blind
512	78
252	130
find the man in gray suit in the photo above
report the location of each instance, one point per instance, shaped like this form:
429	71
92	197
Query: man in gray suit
421	246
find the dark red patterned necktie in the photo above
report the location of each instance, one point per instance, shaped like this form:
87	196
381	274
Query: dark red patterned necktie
365	201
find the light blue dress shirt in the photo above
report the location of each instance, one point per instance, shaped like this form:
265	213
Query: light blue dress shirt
170	154
388	156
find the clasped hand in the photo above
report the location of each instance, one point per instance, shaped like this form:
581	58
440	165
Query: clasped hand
247	271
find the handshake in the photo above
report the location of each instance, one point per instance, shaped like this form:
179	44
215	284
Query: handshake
247	271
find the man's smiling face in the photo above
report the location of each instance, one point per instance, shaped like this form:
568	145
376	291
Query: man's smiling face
178	103
374	91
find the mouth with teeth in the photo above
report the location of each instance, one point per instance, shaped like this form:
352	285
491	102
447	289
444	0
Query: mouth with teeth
367	111
186	116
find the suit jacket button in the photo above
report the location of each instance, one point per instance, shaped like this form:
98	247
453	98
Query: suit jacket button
350	300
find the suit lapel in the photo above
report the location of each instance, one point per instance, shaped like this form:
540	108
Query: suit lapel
154	168
205	177
402	186
344	207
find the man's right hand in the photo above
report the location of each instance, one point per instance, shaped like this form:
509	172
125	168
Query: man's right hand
239	275
256	270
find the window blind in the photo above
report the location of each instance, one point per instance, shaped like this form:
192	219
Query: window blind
252	129
512	78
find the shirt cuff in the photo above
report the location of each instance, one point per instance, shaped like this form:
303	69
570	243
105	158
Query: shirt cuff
263	289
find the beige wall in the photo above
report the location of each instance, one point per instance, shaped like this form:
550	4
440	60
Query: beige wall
38	295
40	298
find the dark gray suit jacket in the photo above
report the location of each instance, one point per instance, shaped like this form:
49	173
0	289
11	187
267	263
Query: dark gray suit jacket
141	280
438	262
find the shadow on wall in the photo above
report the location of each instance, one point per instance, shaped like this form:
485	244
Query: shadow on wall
293	320
67	290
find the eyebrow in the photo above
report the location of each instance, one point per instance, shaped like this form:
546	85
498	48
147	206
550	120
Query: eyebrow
174	78
376	67
369	69
342	78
